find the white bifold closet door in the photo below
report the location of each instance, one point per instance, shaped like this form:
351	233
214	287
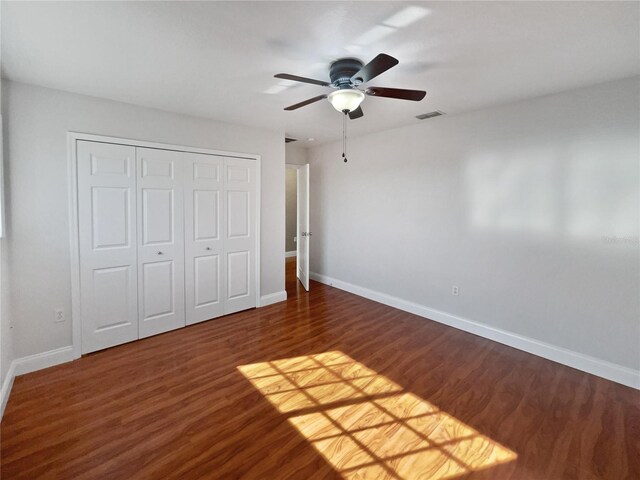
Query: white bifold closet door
204	263
160	241
240	188
108	244
167	238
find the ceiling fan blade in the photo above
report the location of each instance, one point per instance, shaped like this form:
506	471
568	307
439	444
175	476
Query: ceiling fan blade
306	102
375	67
295	78
357	113
401	93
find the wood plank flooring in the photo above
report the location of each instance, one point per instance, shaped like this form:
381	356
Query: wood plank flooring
326	385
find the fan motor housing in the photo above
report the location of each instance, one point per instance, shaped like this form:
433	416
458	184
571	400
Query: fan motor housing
341	71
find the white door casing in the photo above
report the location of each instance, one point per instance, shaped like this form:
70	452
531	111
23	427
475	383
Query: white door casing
204	265
160	241
240	234
107	243
303	234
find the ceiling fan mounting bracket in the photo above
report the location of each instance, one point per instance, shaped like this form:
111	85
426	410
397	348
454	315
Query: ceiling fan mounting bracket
341	71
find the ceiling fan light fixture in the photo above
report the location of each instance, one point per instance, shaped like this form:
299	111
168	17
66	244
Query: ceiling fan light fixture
346	99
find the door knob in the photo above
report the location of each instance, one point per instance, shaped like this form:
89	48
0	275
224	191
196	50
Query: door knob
159	253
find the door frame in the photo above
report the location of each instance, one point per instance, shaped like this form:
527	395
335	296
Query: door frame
305	245
74	243
296	167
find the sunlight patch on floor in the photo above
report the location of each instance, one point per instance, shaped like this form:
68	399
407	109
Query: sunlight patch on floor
367	426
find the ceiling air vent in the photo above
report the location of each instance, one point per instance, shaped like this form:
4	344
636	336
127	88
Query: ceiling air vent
424	116
289	139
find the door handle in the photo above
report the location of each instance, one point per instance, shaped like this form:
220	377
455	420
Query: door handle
159	252
208	248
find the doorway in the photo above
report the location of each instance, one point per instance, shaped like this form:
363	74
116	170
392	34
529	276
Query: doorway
297	234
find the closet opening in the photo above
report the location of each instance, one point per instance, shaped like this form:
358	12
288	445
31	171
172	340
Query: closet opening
162	236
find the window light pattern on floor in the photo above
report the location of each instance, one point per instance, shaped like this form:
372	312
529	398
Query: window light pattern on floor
367	426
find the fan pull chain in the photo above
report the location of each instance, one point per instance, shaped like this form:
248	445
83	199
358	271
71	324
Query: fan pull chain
344	136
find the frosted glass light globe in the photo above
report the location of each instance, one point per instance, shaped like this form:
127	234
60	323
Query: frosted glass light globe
346	99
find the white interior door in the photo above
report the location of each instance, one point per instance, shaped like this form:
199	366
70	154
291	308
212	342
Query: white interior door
204	265
108	245
304	235
160	241
240	236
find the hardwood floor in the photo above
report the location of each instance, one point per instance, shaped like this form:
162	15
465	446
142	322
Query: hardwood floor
325	385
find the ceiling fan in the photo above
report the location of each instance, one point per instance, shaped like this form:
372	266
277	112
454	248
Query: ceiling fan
347	75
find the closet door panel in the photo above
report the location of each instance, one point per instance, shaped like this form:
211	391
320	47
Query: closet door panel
161	241
204	268
158	225
240	236
239	274
207	275
158	295
108	244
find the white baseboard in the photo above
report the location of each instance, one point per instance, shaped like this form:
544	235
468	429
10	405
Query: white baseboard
601	368
29	364
290	254
6	388
43	360
273	298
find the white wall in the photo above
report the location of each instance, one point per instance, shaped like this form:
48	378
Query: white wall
296	154
37	121
6	330
517	205
6	333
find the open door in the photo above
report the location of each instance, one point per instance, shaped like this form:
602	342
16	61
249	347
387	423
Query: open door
304	235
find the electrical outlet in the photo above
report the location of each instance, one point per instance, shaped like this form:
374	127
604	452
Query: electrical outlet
455	290
58	316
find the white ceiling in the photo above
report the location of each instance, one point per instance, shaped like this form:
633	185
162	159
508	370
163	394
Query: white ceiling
218	59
